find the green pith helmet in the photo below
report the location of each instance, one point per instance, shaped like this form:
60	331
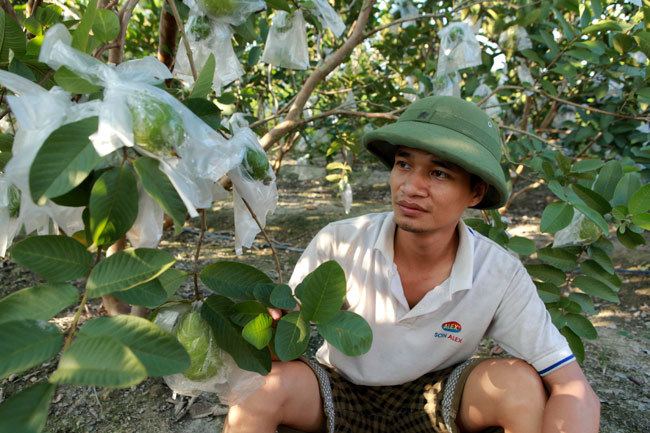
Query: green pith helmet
453	129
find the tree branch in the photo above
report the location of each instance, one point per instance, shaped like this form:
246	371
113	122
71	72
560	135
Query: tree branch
115	55
9	9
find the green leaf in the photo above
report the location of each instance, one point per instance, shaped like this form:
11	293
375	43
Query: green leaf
581	326
548	292
258	331
640	200
602	26
99	361
564	258
563	162
232	279
592	286
73	83
584	301
555	217
254	56
25	343
171	280
79	196
216	311
601	257
160	188
281	297
575	343
81	33
626	187
643	40
159	351
263	294
126	269
629	239
532	55
64	160
592	199
205	110
41	302
642	220
203	85
150	294
55	258
12	38
587	165
547	273
26	411
597	7
291	336
246	311
591	268
279	5
323	292
521	245
557	189
348	332
113	205
623	43
608	177
106	26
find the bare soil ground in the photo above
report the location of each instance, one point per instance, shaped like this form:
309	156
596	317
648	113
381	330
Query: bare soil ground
617	364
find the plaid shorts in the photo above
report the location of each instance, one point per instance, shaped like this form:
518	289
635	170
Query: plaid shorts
427	404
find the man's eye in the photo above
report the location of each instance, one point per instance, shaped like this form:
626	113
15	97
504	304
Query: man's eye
439	173
401	164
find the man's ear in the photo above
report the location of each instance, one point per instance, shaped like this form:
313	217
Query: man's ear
480	189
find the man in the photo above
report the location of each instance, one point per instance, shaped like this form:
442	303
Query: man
430	288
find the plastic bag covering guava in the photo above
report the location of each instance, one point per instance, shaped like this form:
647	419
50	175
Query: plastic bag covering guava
515	38
233	12
206	36
254	185
491	106
407	10
346	197
286	43
212	369
38	112
328	17
581	231
147	229
200	158
459	48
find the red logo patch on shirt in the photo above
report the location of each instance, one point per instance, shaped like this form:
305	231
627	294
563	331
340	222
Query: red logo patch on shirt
452	327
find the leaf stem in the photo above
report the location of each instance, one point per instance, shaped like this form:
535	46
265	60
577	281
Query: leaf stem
75	321
197	295
275	253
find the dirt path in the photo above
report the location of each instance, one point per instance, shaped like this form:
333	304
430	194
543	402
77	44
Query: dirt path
617	364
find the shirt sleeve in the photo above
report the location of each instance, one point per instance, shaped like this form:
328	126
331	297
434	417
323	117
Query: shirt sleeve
523	327
319	250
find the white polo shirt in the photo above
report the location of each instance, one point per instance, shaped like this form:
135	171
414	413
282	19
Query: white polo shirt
488	293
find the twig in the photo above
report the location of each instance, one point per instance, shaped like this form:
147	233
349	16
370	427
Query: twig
275	253
7	7
587	147
188	49
124	16
197	295
99	51
75	321
530	134
514	196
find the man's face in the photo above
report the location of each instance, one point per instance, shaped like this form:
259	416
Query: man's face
428	193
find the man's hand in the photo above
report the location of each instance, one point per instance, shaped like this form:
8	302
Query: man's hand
572	406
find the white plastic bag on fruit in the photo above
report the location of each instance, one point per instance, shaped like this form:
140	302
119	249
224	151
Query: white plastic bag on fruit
133	111
286	43
233	12
491	106
581	231
515	38
447	84
328	17
207	36
459	48
9	210
147	229
346	197
254	181
212	370
407	10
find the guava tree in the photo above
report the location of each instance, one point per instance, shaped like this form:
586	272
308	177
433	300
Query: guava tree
92	154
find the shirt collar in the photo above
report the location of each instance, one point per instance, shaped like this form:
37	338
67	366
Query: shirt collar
385	242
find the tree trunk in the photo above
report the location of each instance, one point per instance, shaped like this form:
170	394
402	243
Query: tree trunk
167	38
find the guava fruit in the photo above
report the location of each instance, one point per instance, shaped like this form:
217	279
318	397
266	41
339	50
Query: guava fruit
256	165
589	231
219	8
14	201
196	337
157	127
200	27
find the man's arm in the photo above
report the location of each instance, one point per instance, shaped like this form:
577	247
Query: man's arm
572	407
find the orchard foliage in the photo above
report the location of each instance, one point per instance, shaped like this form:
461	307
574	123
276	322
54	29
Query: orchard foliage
566	81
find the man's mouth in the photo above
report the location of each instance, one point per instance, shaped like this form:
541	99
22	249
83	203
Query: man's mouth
410	208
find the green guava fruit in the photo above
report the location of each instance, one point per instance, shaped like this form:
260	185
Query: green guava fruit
589	231
195	335
157	127
14	201
219	8
257	165
200	27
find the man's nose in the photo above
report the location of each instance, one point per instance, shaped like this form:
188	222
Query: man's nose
416	183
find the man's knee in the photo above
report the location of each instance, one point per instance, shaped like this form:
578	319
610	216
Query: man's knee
524	389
